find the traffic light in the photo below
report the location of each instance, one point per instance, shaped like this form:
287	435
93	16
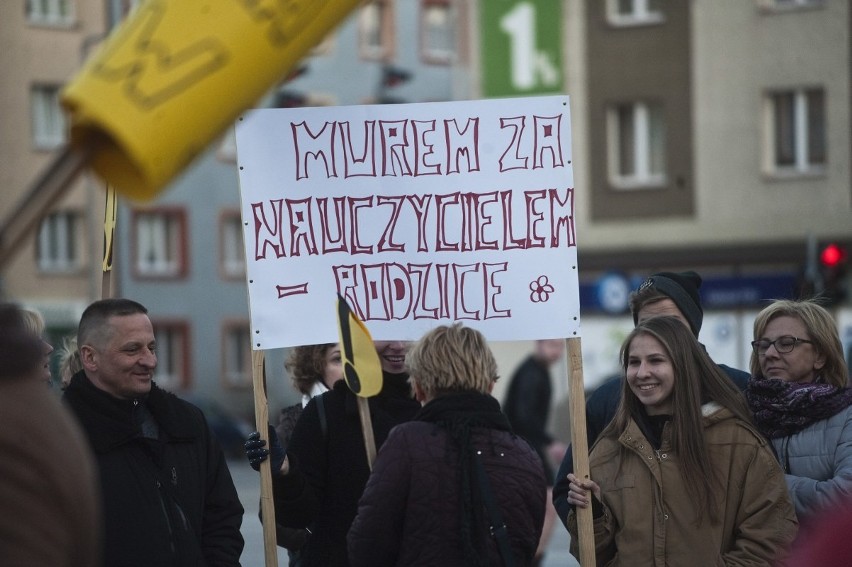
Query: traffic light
394	76
833	261
289	99
296	73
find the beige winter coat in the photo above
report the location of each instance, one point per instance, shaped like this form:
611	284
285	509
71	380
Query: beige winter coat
649	517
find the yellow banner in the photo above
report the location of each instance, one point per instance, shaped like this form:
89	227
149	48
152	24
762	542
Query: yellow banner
175	74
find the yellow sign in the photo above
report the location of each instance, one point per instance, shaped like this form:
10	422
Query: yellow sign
362	368
175	74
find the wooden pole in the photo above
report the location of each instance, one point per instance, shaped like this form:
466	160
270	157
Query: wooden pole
261	414
367	430
580	447
110	214
362	372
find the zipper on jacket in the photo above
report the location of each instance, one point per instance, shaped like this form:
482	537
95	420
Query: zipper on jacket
166	516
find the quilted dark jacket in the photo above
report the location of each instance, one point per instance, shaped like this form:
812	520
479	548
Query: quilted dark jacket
409	514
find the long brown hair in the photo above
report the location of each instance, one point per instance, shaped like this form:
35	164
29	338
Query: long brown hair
698	380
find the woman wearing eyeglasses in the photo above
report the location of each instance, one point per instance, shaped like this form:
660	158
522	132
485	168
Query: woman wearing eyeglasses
799	397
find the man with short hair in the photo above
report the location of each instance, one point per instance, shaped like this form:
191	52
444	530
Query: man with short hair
168	496
674	294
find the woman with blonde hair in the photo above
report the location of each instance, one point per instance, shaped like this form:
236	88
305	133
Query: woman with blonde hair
454	486
35	325
681	476
69	361
800	400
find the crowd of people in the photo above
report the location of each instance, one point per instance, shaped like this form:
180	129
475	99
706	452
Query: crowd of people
690	461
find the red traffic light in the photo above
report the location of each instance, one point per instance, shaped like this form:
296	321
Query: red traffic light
833	255
393	77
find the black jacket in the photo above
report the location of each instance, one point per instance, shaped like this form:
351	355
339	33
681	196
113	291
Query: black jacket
527	405
328	469
169	501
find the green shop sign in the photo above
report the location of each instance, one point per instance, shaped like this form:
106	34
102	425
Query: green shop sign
521	47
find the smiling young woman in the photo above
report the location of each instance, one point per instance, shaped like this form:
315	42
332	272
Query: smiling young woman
681	473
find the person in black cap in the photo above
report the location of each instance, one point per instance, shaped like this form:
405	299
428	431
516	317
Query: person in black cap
665	293
681	289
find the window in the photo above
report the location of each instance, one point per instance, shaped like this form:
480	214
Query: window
797	130
375	28
160	243
634	12
47	117
237	355
436	32
172	355
636	137
57	248
232	258
50	12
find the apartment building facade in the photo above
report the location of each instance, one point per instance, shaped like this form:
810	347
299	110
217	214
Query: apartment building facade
57	270
707	135
738	143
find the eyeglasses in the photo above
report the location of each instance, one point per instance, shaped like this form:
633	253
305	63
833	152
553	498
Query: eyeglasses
783	344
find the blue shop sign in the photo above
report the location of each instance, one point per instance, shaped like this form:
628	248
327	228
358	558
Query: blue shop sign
610	292
747	291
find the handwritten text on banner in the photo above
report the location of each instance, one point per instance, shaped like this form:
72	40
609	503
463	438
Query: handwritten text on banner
418	214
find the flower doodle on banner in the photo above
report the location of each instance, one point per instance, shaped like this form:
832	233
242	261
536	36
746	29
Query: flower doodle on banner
541	290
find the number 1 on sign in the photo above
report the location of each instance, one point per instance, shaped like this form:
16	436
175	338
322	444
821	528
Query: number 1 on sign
527	63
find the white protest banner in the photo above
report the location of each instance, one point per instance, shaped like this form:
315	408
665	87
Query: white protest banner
418	214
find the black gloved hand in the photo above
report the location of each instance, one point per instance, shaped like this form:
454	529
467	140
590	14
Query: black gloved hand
256	451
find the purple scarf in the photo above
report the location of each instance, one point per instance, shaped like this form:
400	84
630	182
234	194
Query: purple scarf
783	408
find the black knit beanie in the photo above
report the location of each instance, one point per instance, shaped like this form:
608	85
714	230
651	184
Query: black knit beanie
682	288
